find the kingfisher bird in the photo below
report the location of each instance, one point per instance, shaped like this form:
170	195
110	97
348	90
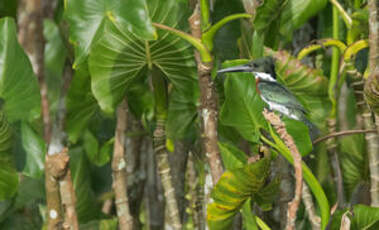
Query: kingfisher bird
275	95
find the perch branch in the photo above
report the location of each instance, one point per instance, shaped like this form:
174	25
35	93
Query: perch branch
290	143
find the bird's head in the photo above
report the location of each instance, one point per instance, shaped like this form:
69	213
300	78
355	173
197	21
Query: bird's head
262	68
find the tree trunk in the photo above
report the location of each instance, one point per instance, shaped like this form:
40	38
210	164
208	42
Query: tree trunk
119	170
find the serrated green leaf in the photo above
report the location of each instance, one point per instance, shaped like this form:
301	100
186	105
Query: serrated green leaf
87	19
35	149
18	85
119	57
232	157
232	190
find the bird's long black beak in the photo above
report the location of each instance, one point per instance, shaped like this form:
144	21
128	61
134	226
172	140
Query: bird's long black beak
239	68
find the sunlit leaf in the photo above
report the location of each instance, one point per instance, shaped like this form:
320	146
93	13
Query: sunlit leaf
232	190
120	56
19	89
87	19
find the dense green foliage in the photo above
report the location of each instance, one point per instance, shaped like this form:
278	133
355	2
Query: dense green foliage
114	53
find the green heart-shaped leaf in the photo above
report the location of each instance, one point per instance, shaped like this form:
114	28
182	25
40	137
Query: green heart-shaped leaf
120	56
18	85
243	106
87	19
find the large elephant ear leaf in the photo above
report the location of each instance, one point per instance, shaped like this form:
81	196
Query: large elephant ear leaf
232	190
243	106
120	56
87	19
19	91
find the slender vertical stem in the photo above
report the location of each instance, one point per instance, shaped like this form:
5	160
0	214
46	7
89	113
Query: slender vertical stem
371	91
159	141
332	123
208	99
119	170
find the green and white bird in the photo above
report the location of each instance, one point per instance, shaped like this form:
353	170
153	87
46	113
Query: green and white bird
277	96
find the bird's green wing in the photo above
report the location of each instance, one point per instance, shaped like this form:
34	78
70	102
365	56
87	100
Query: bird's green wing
278	93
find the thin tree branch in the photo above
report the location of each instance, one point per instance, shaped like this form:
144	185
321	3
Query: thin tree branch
208	103
119	170
290	143
342	133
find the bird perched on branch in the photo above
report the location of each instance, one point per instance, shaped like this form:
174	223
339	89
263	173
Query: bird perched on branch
277	96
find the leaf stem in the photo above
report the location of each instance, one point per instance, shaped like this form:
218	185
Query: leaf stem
209	35
345	16
204	53
321	44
